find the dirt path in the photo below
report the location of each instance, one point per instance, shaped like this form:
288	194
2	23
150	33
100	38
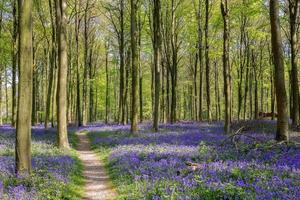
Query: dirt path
97	184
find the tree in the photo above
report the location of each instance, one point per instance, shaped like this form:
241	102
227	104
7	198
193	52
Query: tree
226	72
156	49
53	63
200	55
78	100
134	61
207	59
294	13
62	75
23	132
281	96
14	63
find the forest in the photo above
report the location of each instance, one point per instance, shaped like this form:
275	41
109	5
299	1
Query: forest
149	99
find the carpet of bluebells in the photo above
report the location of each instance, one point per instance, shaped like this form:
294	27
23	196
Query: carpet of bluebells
155	165
55	173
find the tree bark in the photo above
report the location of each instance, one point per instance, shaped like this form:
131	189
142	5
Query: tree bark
282	121
78	96
23	132
107	109
62	75
207	61
52	67
134	70
14	63
156	46
294	12
226	72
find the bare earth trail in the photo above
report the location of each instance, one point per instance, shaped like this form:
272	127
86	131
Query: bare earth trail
97	183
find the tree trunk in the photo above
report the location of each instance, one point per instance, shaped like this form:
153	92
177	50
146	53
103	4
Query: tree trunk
14	63
282	122
140	70
78	99
62	75
200	54
122	101
226	72
294	12
134	62
52	67
23	132
107	87
156	49
207	60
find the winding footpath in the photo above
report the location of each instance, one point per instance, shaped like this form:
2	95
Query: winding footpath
97	183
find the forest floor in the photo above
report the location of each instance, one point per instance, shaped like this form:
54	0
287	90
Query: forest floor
248	164
56	174
97	184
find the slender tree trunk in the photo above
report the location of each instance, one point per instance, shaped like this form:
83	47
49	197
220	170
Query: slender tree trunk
200	54
107	87
282	122
14	63
294	12
78	96
226	72
52	67
134	62
86	69
140	70
62	75
122	102
23	132
6	94
207	61
157	46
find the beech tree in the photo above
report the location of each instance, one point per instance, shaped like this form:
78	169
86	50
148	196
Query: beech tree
281	96
156	49
23	131
226	72
134	61
62	75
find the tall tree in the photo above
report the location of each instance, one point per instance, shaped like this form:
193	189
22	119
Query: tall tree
281	96
226	71
107	99
78	99
52	66
62	75
207	4
134	63
156	49
14	63
23	132
200	54
294	13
